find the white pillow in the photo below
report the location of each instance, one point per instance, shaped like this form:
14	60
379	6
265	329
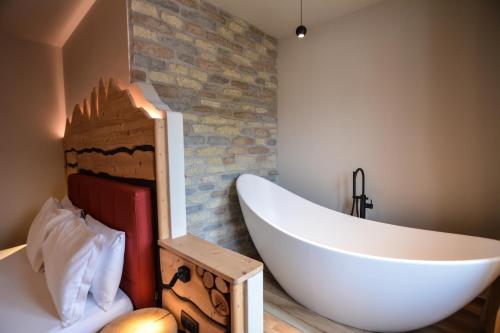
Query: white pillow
67	204
47	218
71	254
109	272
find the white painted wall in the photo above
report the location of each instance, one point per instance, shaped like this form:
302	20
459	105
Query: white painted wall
98	48
32	122
254	304
408	90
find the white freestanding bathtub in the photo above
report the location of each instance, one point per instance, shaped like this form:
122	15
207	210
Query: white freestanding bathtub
361	273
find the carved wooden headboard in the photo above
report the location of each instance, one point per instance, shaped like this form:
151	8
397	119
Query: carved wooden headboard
114	136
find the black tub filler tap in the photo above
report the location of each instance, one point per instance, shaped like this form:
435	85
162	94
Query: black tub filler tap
359	202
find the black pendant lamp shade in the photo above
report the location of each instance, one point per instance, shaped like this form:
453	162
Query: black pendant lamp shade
301	30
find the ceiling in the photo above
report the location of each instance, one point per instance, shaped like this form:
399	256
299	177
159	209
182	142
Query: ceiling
53	21
279	18
45	21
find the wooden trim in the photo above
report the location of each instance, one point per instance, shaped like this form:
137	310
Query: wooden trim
145	95
231	266
238	307
10	251
162	195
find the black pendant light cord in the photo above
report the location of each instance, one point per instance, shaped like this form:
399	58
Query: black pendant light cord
300	12
301	30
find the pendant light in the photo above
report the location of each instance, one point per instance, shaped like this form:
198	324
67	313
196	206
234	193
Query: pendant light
301	30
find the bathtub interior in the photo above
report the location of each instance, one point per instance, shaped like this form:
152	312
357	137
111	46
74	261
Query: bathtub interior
323	227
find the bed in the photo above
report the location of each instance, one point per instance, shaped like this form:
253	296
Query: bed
26	305
116	168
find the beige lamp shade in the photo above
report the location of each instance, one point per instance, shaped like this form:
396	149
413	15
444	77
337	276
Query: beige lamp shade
149	320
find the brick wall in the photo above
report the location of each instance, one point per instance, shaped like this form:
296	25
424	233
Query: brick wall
220	72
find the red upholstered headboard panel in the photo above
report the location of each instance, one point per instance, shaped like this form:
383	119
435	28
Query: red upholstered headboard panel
127	208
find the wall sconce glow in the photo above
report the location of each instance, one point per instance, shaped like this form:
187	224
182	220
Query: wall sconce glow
59	126
301	30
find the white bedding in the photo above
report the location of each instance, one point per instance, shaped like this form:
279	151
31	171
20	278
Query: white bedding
26	306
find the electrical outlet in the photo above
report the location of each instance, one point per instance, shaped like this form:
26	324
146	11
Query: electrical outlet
190	325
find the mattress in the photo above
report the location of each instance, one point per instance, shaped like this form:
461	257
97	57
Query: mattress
26	305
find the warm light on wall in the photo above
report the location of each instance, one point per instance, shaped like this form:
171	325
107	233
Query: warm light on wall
59	115
58	129
141	101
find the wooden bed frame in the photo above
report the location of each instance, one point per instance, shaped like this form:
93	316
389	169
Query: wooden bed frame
114	136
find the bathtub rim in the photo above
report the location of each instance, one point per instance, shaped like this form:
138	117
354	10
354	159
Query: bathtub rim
363	255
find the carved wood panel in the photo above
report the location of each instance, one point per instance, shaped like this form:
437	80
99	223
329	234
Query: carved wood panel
111	135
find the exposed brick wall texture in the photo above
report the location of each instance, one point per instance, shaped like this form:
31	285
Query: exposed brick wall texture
220	72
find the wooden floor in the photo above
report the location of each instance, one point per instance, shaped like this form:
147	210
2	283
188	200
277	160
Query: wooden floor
283	314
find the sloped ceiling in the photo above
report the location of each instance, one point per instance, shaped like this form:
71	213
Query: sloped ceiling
52	21
45	21
279	18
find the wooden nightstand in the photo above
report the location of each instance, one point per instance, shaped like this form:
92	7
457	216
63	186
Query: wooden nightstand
151	320
225	290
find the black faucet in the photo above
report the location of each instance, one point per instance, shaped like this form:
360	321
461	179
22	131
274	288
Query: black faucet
360	201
